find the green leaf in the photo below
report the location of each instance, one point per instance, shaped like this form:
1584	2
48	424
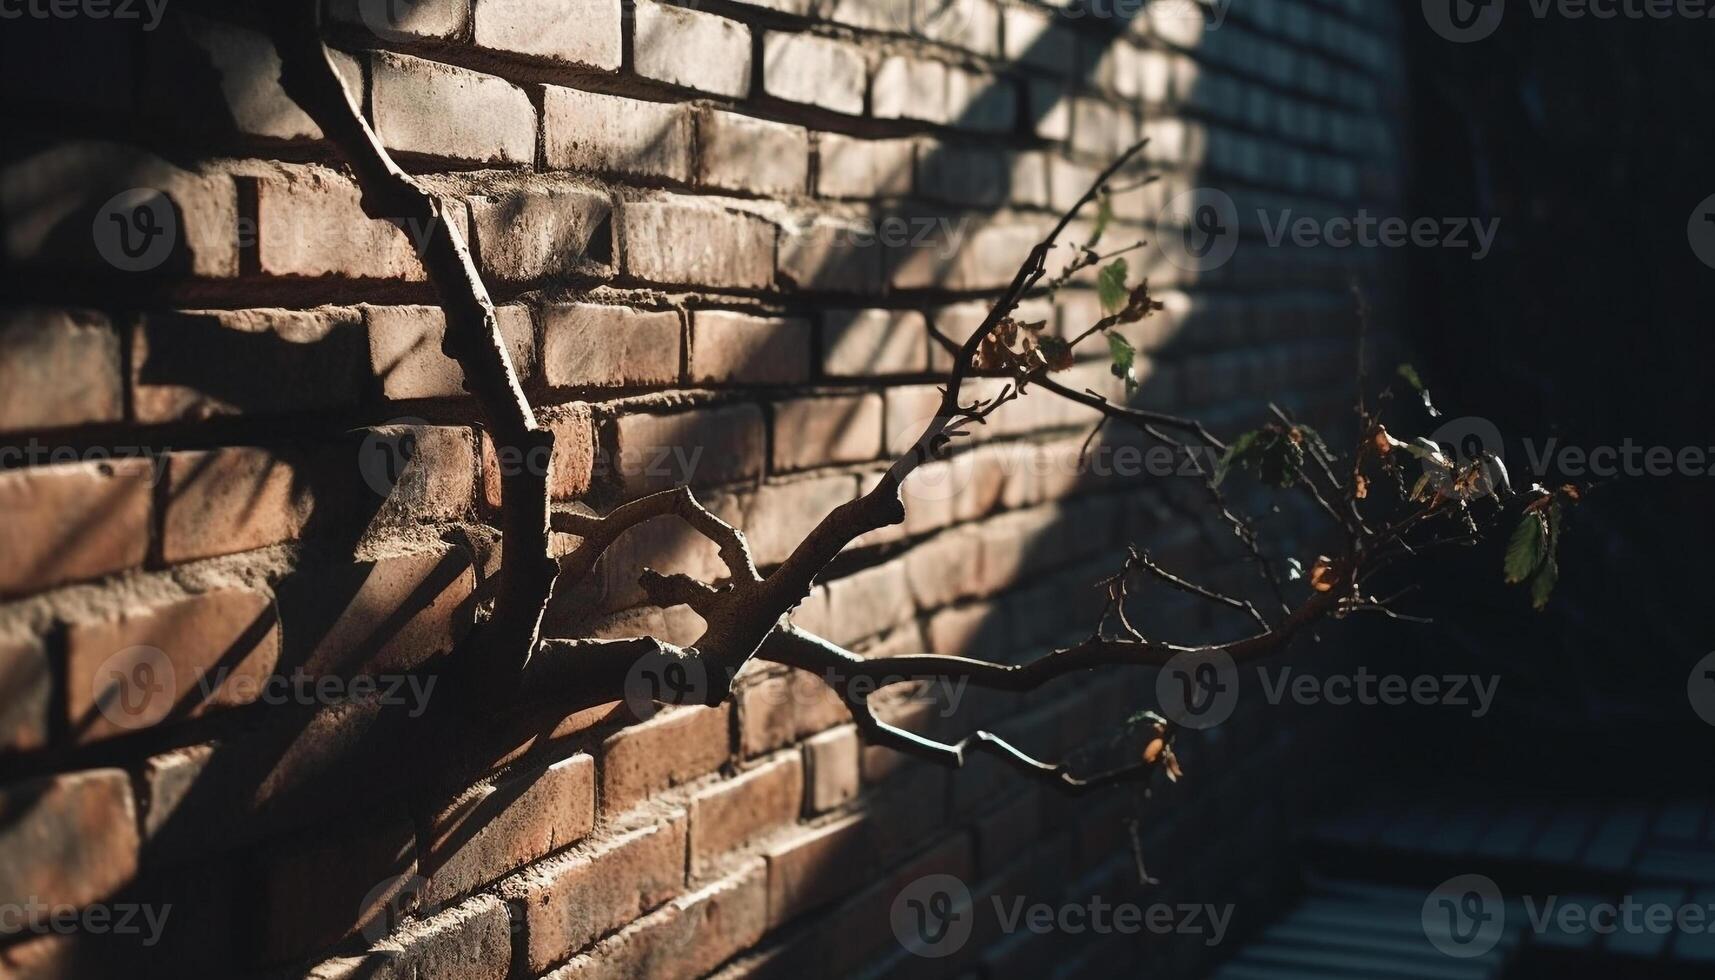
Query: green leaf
1104	217
1237	451
1527	547
1410	374
1125	360
1542	586
1110	287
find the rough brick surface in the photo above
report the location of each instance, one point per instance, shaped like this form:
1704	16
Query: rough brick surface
611	134
749	805
423	107
715	445
677	241
58	368
72	522
668	749
693	49
52	847
500	828
736	347
198	364
816	70
688	938
738	153
812	432
579	32
536	233
584	344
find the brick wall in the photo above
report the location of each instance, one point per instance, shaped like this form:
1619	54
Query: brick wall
239	465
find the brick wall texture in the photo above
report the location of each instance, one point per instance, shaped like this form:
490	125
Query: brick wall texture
718	235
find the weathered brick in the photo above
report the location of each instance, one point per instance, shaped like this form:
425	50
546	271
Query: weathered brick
611	134
210	651
471	941
729	813
688	938
677	241
691	48
781	514
310	223
981	102
874	343
421	19
705	446
737	348
383	616
833	776
539	232
438	110
859	168
405	349
497	829
970	177
72	522
28	683
1033	37
45	192
224	501
968	631
818	865
57	368
815	70
817	431
571	469
575	32
570	900
738	153
68	839
868	603
331	883
944	569
588	345
909	88
832	254
671	748
202	363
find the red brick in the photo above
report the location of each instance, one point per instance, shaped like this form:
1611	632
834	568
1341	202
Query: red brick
495	830
750	805
833	776
968	631
573	463
868	603
538	232
827	254
46	192
705	446
672	748
612	134
676	241
728	348
874	343
781	514
859	168
816	70
28	684
818	865
309	222
72	522
437	110
944	569
687	47
688	938
327	885
198	637
576	32
203	363
57	368
224	501
818	431
384	616
765	712
68	839
586	345
472	941
739	153
405	349
566	902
